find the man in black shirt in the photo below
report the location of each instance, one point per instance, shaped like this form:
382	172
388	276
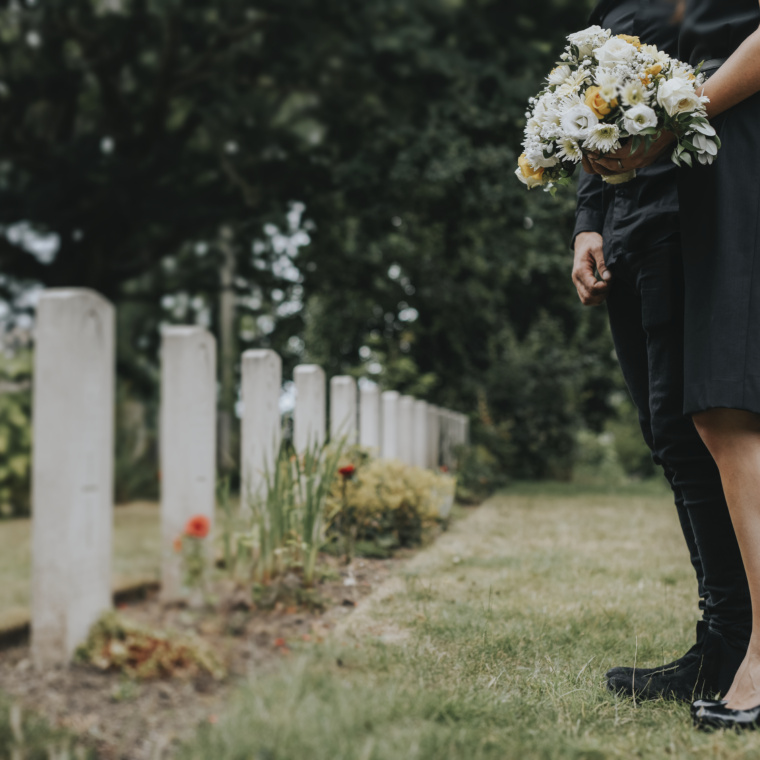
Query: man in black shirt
629	234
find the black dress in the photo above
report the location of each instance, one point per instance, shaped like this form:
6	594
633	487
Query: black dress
720	217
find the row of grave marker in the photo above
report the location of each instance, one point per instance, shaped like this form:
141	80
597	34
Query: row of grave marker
72	484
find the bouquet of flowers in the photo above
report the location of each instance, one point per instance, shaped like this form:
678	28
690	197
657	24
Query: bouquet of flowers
604	90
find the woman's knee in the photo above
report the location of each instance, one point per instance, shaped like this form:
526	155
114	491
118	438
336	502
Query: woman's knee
722	430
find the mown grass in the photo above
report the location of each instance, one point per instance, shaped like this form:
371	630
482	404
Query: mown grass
494	645
137	556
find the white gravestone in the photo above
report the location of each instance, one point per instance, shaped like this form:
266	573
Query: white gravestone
369	418
72	472
309	413
188	442
434	437
420	436
343	409
261	427
405	429
444	419
389	447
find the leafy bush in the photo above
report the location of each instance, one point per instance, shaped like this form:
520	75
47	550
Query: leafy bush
479	474
15	432
387	504
632	452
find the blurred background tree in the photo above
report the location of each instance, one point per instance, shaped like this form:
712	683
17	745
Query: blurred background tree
328	178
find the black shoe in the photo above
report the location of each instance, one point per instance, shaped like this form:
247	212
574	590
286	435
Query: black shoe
697	704
720	716
710	672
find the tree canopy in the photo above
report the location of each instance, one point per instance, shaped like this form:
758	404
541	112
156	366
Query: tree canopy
347	164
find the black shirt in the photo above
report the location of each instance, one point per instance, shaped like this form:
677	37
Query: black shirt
715	28
641	215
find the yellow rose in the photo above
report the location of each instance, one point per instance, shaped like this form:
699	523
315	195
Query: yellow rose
527	174
597	103
635	41
653	71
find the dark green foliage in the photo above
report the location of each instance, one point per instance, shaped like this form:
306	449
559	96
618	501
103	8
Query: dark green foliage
15	432
156	139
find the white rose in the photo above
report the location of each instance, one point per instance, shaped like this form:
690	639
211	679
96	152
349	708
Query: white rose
585	39
615	51
577	121
639	118
678	96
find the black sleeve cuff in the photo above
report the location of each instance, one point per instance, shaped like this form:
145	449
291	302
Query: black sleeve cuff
587	221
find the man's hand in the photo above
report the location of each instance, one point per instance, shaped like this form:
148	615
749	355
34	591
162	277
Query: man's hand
622	160
589	258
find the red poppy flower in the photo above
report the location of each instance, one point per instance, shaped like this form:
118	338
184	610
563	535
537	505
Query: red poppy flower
198	526
347	471
280	643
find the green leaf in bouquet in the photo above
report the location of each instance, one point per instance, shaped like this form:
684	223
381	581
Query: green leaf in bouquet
686	158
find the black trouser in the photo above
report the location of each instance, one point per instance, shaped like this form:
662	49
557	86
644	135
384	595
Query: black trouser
645	306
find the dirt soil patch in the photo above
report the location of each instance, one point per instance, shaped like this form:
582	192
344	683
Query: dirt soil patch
130	720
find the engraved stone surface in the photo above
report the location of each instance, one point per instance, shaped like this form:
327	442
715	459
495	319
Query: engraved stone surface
309	413
188	441
72	472
261	427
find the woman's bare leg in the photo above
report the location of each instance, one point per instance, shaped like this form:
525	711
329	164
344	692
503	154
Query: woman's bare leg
733	438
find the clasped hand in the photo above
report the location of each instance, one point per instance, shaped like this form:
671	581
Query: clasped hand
622	160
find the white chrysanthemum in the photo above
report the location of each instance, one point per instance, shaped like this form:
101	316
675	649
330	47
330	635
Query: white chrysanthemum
532	127
552	126
574	82
614	51
569	150
604	77
559	74
639	118
536	158
603	137
633	93
578	121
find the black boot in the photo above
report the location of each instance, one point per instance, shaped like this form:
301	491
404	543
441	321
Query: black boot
708	671
614	675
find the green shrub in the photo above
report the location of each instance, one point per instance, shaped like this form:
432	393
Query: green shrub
15	432
386	504
479	474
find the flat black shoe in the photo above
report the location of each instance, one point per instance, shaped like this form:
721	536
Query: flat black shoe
720	716
708	703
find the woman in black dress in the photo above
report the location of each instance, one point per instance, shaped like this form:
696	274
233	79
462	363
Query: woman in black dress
720	213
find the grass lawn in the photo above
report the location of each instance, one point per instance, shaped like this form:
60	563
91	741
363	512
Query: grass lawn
136	556
493	644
